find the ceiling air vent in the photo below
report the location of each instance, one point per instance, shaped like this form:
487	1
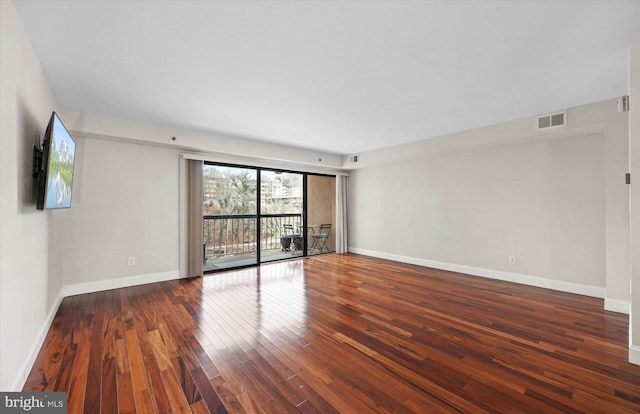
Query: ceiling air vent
558	119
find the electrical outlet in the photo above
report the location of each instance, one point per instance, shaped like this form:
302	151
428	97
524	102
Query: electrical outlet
131	261
513	260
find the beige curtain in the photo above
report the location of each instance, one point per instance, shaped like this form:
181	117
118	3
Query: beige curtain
194	225
341	213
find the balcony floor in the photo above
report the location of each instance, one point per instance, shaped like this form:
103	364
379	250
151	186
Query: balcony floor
250	259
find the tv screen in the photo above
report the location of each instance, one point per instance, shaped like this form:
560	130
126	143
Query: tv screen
55	179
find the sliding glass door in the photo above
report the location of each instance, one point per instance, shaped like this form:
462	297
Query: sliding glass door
256	215
281	215
230	217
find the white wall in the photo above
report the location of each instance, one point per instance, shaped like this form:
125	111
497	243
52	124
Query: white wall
198	141
555	199
634	151
30	261
125	204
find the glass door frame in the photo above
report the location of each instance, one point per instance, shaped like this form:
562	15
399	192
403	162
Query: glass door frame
258	216
252	216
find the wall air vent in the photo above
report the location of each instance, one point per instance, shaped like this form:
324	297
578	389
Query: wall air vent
353	159
559	119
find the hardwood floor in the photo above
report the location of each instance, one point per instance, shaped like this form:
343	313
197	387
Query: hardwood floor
338	334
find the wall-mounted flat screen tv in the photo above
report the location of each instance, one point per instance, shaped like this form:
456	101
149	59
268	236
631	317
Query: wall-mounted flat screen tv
53	166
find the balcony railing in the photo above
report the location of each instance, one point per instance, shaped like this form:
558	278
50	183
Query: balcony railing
236	235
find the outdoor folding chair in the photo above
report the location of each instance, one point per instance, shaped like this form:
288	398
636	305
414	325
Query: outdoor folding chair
321	237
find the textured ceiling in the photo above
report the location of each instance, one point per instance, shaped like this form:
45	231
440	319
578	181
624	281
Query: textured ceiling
340	77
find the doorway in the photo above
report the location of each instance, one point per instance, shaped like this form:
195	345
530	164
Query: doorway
255	215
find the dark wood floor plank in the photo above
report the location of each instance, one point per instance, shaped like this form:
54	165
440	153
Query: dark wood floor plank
108	385
158	393
138	369
199	408
55	350
124	383
175	395
183	362
70	321
248	404
48	361
82	339
209	396
92	400
203	360
230	401
337	334
230	369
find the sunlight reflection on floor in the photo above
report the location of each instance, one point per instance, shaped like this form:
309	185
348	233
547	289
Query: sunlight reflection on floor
259	302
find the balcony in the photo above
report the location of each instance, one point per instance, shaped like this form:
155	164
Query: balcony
231	241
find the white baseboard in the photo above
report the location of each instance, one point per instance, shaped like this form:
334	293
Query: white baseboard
617	305
25	369
634	354
90	287
587	290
